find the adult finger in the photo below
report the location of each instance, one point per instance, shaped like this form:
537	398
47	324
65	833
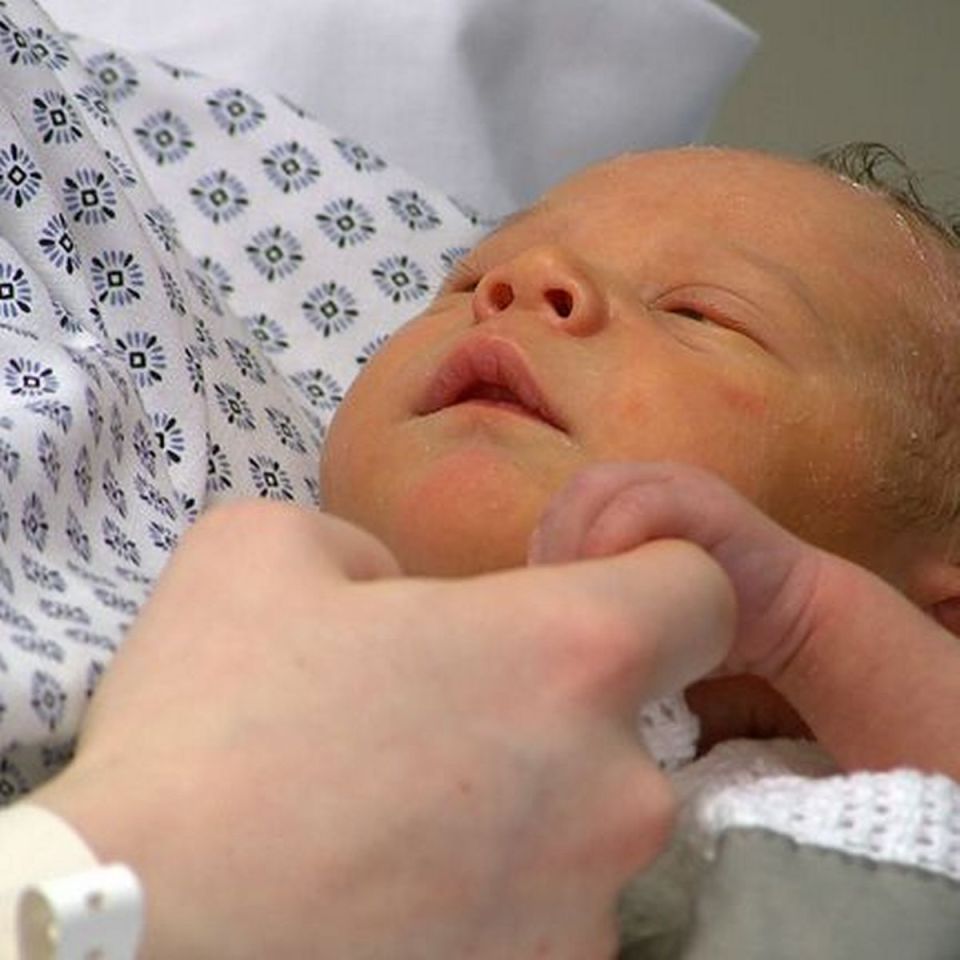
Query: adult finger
274	536
614	631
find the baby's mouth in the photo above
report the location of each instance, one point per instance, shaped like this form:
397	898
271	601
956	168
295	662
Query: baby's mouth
492	372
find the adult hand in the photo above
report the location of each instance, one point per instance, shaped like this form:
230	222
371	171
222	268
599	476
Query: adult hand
303	754
846	655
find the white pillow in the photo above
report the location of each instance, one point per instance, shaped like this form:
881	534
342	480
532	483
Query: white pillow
490	100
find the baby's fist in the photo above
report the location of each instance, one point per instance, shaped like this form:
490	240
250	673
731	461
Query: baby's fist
611	508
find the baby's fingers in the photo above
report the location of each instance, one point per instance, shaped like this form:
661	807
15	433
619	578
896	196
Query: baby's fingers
620	506
570	518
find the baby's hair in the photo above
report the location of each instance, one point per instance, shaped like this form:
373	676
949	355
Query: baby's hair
921	487
881	169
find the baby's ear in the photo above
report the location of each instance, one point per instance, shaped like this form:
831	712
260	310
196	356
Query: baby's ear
936	588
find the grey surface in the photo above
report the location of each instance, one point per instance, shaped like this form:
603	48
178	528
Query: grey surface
768	898
764	897
828	71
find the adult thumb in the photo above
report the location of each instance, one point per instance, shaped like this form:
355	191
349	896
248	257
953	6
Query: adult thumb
628	628
683	607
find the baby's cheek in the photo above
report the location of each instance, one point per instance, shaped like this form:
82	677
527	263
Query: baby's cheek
744	401
690	419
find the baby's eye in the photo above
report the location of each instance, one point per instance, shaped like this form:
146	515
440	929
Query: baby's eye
713	311
702	305
700	313
706	306
692	313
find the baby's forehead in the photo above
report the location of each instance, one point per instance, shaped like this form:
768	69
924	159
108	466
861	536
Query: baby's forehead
783	206
721	178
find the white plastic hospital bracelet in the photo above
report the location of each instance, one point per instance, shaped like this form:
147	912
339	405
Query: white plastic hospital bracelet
93	915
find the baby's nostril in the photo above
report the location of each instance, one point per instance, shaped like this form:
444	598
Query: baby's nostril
501	296
561	301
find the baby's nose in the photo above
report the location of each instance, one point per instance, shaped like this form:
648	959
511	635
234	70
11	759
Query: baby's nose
544	282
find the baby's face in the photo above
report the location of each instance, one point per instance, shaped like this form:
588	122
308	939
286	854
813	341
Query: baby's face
705	306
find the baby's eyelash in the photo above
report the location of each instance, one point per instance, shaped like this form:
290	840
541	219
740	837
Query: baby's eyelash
692	313
699	313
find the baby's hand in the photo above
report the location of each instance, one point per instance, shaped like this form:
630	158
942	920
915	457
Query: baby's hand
614	507
874	678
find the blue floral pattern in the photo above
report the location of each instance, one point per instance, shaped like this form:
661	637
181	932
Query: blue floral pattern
270	479
330	308
19	176
16	296
115	74
275	253
117	277
91	98
164	137
29	378
358	156
346	222
56	118
413	210
220	196
291	167
58	244
236	111
401	279
90	197
144	356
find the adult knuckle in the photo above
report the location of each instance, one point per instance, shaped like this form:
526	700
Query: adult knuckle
591	647
232	534
637	815
651	821
244	518
364	555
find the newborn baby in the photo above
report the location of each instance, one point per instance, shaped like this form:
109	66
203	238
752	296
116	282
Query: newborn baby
758	317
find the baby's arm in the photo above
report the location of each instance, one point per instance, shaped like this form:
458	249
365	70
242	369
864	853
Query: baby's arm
874	678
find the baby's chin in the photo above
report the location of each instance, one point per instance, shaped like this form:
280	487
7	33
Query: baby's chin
458	542
440	539
454	559
470	511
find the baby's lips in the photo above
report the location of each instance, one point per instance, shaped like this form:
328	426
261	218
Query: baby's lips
482	363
